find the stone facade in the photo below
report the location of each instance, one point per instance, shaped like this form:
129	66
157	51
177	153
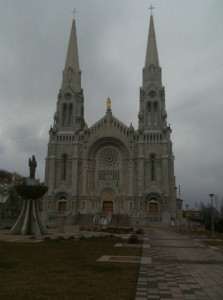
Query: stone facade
110	168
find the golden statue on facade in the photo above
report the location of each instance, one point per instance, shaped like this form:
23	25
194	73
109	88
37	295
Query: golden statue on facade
108	104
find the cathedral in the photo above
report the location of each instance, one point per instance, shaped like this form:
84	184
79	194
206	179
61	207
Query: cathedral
111	171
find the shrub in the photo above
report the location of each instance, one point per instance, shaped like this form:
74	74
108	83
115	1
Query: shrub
133	239
139	231
219	226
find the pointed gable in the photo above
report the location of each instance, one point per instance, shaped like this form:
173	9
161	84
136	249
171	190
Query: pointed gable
109	125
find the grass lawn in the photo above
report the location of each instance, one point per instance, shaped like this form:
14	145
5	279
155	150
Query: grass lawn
66	269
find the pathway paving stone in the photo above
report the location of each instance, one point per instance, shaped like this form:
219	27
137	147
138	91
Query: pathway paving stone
180	268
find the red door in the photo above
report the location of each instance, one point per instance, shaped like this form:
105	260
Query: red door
153	208
107	206
62	206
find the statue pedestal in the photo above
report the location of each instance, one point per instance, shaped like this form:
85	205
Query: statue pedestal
29	221
30	181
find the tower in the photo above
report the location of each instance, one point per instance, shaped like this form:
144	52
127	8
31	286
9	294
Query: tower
61	171
109	169
156	180
70	106
152	115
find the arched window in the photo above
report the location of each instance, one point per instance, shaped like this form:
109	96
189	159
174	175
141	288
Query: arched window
70	114
140	205
149	105
64	166
153	167
155	106
109	158
64	114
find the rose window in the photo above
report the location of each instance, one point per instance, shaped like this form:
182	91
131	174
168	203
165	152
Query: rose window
109	158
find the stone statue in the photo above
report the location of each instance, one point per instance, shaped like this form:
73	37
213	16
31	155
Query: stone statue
32	167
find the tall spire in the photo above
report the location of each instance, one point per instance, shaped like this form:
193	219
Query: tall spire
152	70
70	106
152	108
151	53
72	74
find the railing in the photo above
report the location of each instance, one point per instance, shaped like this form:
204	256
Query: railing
102	218
54	215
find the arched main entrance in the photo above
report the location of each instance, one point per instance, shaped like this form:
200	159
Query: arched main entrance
153	202
107	201
62	205
107	206
108	168
153	205
153	208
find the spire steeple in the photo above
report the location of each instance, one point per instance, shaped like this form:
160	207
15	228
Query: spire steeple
152	70
152	113
72	73
151	53
70	105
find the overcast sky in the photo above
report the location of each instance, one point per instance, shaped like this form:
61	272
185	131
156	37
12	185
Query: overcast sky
112	38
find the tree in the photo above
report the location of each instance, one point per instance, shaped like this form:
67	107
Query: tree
206	215
13	205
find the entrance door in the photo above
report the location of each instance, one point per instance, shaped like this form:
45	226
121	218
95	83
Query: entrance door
107	206
153	208
62	206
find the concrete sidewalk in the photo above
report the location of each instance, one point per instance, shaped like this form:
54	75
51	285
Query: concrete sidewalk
180	268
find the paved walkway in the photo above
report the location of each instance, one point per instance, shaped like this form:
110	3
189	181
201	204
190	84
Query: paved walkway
180	268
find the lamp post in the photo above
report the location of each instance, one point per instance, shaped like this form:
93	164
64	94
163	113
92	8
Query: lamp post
212	215
188	218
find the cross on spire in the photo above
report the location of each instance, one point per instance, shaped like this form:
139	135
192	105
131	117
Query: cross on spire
74	12
151	8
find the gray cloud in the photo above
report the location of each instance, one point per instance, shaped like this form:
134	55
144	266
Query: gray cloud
112	38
